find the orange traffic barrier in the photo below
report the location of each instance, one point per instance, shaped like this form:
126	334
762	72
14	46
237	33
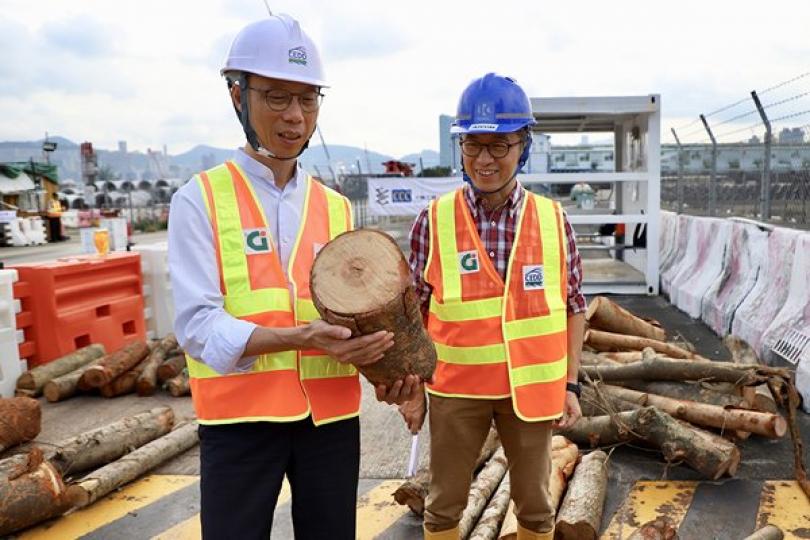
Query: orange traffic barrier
70	303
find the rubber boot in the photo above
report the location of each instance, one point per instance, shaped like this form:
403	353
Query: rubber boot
449	534
526	534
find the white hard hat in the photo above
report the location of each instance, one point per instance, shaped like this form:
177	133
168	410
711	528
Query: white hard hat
278	48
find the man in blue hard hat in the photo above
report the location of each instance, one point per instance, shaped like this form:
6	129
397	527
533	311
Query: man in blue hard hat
499	278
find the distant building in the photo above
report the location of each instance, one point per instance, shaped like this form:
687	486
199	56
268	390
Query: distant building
122	147
582	158
735	157
791	136
449	153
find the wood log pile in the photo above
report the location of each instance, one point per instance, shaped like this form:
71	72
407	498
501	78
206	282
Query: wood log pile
47	481
139	367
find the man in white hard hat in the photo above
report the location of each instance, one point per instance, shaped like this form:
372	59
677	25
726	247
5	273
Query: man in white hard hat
274	388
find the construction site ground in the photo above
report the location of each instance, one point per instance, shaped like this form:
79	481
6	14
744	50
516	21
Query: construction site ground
166	504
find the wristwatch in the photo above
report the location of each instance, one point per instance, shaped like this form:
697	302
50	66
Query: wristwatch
576	388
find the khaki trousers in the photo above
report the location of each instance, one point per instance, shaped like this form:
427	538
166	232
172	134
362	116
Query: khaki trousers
458	428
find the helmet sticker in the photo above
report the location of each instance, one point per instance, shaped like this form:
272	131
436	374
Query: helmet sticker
483	127
298	55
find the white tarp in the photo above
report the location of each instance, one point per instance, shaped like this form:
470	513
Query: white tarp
407	195
15	185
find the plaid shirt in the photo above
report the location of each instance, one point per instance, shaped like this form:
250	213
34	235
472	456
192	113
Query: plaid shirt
497	231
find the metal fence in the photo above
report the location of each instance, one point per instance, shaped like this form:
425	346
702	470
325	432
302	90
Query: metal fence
779	194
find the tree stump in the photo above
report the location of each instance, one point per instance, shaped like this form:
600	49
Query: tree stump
360	280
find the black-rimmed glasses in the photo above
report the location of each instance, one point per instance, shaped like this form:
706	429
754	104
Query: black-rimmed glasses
496	149
278	100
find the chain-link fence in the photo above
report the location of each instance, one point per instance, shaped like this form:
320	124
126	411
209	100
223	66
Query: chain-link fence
737	179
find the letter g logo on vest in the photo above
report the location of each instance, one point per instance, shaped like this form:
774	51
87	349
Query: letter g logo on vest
257	241
468	262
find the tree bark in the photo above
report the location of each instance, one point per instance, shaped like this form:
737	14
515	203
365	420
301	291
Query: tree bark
171	368
594	405
691	391
413	491
118	473
20	421
32	497
768	425
580	515
489	525
124	383
362	281
481	490
660	369
603	314
610	342
564	456
659	529
19	464
108	443
768	532
113	365
34	379
147	380
705	452
179	386
68	385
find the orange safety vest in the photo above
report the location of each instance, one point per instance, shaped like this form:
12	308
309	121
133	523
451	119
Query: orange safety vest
497	340
288	385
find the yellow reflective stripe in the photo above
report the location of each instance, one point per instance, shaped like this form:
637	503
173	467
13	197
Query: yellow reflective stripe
199	370
337	213
536	326
485	354
276	361
550	235
448	248
306	310
324	367
466	311
539	373
258	301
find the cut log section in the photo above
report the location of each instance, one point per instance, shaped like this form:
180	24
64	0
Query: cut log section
412	492
68	385
768	425
118	473
580	515
19	464
115	364
482	488
171	368
489	525
147	380
108	443
31	498
611	342
603	314
179	386
661	369
768	532
362	281
34	380
20	421
691	391
124	383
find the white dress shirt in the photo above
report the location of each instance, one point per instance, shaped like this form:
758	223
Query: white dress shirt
202	326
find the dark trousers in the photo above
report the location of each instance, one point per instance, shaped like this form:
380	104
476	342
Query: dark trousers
243	465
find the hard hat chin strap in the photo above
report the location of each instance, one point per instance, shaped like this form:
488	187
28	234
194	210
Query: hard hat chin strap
250	133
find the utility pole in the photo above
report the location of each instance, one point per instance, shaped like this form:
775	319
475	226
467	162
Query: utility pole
765	188
713	177
359	168
679	186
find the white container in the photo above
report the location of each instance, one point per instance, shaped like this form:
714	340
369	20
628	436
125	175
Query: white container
34	230
118	232
157	288
10	367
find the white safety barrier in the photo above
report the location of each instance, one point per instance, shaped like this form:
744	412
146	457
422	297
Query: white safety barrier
795	313
668	236
70	218
34	230
703	264
741	264
671	266
803	382
157	289
10	366
767	298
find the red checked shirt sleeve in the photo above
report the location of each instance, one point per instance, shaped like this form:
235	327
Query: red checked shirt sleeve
418	259
576	300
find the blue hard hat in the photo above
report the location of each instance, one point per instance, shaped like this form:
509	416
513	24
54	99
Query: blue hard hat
493	104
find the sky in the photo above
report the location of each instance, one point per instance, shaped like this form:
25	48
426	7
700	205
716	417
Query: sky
147	71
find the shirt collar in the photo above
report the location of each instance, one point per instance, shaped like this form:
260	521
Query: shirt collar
512	204
257	170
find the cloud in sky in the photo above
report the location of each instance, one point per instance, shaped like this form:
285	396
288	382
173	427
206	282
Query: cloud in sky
147	72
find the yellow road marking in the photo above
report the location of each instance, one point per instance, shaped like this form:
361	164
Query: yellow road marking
784	504
110	508
377	510
190	528
647	501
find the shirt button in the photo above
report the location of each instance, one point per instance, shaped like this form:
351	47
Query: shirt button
492	254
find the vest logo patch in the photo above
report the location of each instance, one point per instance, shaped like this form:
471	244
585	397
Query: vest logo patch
257	241
533	277
468	262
